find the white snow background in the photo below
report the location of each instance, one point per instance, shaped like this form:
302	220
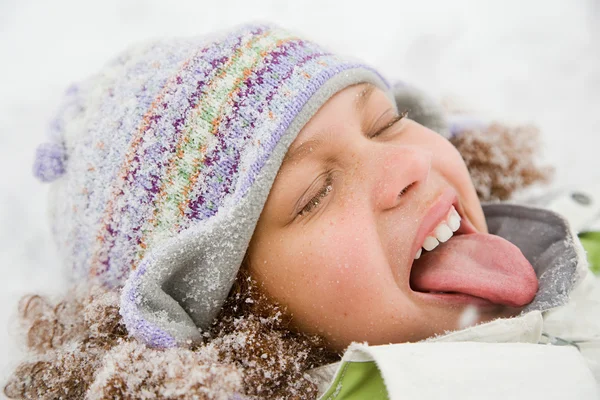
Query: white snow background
525	61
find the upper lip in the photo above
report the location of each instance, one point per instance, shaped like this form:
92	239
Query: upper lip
437	213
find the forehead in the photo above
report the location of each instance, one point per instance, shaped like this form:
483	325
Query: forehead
349	103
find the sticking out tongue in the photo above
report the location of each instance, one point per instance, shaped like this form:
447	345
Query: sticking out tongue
480	265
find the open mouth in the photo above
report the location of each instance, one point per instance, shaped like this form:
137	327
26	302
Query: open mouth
443	223
444	220
454	263
452	225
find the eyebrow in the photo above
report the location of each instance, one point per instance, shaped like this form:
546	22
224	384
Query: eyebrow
363	97
303	150
297	153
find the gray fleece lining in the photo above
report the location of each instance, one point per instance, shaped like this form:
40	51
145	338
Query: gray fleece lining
545	239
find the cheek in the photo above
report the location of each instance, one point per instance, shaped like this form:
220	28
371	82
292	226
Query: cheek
448	161
344	278
344	249
338	254
327	271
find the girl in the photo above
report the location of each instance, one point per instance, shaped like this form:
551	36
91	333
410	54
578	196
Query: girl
260	204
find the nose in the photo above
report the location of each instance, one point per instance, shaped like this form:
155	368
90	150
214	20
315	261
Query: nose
396	168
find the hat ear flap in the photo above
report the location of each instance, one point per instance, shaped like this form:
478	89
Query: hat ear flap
421	108
171	296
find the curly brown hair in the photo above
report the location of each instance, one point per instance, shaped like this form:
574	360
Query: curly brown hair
80	349
502	159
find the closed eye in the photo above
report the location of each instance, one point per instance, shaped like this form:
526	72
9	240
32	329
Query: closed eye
387	126
315	201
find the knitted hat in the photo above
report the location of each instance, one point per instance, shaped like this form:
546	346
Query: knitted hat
161	165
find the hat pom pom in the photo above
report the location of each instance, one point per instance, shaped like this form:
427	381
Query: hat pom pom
49	162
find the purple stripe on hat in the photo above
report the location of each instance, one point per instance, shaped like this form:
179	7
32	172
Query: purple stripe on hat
221	165
127	93
211	59
144	184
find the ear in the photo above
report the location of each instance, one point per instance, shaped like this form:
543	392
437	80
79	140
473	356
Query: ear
421	108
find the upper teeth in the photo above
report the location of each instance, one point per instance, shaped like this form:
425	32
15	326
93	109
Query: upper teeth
442	233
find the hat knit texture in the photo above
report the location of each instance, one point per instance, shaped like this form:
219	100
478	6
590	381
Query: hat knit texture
154	160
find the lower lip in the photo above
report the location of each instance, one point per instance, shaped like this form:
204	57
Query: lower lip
459	299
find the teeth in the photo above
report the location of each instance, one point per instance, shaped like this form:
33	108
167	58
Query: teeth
454	220
443	232
430	243
419	253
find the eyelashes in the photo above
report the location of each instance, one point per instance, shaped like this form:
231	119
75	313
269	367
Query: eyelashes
391	123
316	200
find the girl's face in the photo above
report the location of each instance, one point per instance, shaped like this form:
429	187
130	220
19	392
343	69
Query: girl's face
357	193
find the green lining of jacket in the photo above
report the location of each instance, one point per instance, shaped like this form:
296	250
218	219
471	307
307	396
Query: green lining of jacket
591	244
357	381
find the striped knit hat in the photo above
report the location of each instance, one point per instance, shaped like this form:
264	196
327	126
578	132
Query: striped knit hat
161	165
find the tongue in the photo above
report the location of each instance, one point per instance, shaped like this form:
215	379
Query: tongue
480	265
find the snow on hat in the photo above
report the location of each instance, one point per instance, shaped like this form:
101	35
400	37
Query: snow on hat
161	165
